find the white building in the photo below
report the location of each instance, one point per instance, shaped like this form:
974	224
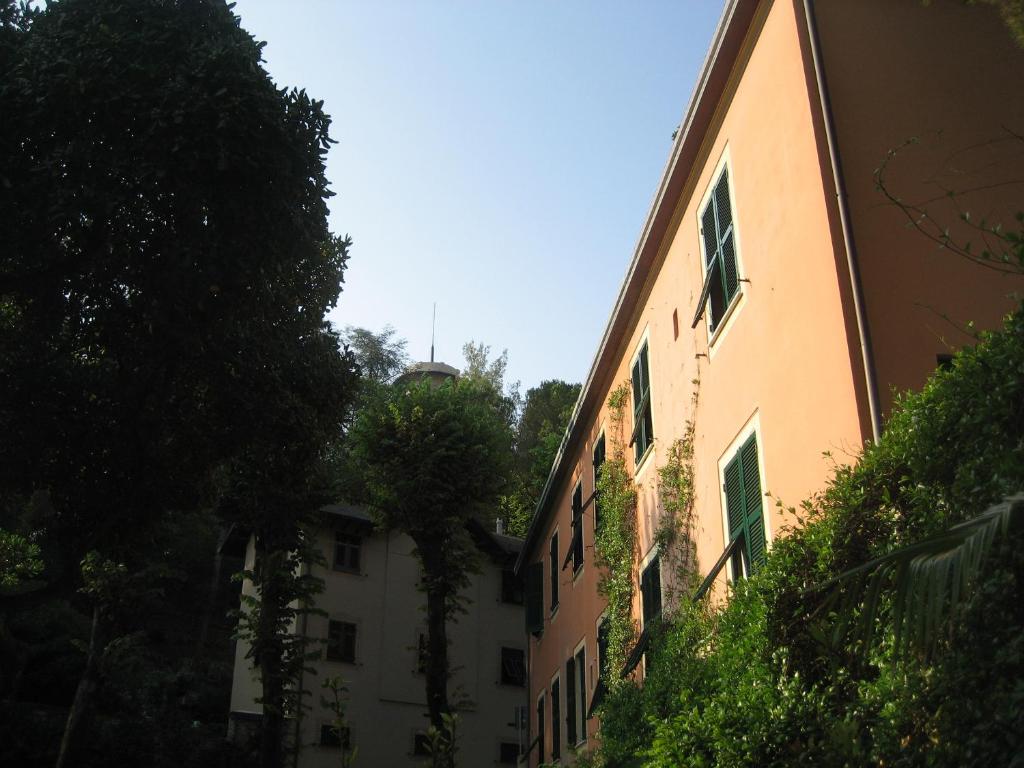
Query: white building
372	634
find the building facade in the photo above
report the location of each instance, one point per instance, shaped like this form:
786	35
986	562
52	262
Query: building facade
371	635
778	295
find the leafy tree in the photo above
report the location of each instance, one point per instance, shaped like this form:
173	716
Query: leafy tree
538	435
380	356
491	373
433	458
165	274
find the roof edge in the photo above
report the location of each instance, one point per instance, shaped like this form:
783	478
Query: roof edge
732	27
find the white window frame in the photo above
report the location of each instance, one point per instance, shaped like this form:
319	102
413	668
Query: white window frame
645	459
733	310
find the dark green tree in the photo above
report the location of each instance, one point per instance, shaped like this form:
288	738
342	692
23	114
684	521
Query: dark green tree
433	458
163	282
538	434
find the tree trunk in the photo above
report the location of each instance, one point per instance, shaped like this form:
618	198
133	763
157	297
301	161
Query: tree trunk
85	693
272	724
437	661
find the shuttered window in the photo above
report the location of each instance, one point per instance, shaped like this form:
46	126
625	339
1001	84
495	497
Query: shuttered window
570	701
553	560
535	598
556	721
577	527
744	507
721	275
643	424
540	727
650	590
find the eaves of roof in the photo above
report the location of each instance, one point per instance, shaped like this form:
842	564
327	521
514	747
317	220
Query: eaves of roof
722	55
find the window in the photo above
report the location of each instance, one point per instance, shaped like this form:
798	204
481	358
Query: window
743	508
540	727
721	276
511	587
650	590
944	361
577	527
422	650
332	736
576	697
508	753
341	641
554	572
598	461
556	717
535	598
421	744
346	552
643	426
513	667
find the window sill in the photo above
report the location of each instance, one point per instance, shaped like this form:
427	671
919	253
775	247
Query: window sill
640	464
348	571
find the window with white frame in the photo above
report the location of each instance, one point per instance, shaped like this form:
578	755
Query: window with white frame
744	509
643	422
718	245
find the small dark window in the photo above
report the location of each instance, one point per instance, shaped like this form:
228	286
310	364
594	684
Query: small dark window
554	572
556	721
508	754
421	653
513	667
650	590
346	552
511	587
421	744
540	728
577	528
944	362
341	641
332	736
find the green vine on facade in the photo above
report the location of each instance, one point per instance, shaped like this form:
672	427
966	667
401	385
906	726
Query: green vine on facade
616	542
674	534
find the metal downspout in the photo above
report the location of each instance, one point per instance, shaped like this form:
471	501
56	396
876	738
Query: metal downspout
863	329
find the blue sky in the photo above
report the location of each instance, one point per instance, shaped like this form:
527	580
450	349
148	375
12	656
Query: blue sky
496	157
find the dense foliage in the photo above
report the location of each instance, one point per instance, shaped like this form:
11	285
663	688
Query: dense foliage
773	679
164	277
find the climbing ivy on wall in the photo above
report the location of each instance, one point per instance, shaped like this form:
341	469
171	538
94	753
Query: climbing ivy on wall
674	534
616	540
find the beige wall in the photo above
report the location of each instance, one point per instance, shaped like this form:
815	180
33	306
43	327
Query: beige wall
947	77
386	695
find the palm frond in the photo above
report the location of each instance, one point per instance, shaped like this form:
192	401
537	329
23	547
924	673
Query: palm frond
926	583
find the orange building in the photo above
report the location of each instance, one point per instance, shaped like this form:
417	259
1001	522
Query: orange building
775	281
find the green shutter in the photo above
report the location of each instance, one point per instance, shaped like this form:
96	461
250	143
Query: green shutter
734	498
535	598
753	503
744	503
570	701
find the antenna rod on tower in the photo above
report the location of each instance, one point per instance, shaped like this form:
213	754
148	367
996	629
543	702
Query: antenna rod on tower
433	323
